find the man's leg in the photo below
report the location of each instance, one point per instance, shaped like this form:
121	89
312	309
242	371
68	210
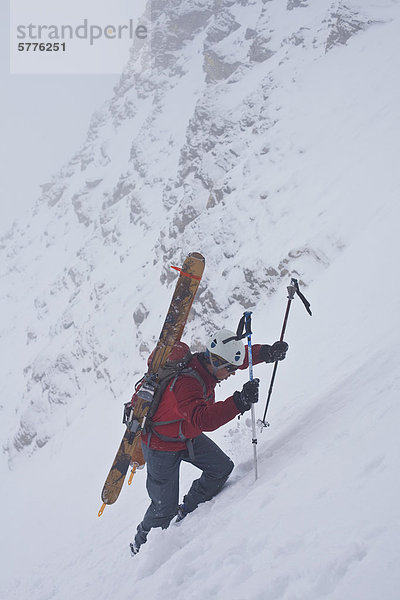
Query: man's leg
216	467
163	488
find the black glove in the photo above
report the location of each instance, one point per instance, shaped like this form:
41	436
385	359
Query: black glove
248	395
273	353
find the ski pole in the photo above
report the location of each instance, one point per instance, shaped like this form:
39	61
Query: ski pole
292	289
247	319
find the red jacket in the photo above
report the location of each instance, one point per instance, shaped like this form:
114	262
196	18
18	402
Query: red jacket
186	404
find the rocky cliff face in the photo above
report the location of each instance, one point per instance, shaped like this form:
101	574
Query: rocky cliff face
196	150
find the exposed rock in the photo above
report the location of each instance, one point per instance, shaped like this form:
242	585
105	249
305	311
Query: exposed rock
292	4
217	68
140	314
342	26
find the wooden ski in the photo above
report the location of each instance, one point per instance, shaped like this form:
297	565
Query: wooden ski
130	450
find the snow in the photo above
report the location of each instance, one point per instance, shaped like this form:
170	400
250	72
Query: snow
322	520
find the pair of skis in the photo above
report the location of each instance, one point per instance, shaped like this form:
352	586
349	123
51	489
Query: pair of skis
130	450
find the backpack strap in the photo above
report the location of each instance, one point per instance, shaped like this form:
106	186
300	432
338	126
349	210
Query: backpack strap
189	372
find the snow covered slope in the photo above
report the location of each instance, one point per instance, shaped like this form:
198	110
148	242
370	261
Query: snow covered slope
265	137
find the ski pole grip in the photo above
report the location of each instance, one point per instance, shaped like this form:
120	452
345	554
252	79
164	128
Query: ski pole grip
247	322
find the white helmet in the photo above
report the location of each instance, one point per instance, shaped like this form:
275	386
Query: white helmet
223	344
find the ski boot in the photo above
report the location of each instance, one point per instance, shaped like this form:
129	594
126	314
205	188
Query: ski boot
181	514
134	548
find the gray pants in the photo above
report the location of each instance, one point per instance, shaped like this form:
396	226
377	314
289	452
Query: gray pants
163	481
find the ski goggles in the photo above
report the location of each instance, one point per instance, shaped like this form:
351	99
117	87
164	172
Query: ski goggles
220	363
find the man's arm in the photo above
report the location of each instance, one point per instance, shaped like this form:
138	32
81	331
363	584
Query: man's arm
196	411
265	353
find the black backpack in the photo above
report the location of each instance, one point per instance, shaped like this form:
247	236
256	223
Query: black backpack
176	366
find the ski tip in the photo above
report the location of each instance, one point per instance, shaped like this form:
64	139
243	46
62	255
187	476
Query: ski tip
101	510
197	255
193	262
182	272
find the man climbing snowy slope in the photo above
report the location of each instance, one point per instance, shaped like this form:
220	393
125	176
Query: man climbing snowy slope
187	408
